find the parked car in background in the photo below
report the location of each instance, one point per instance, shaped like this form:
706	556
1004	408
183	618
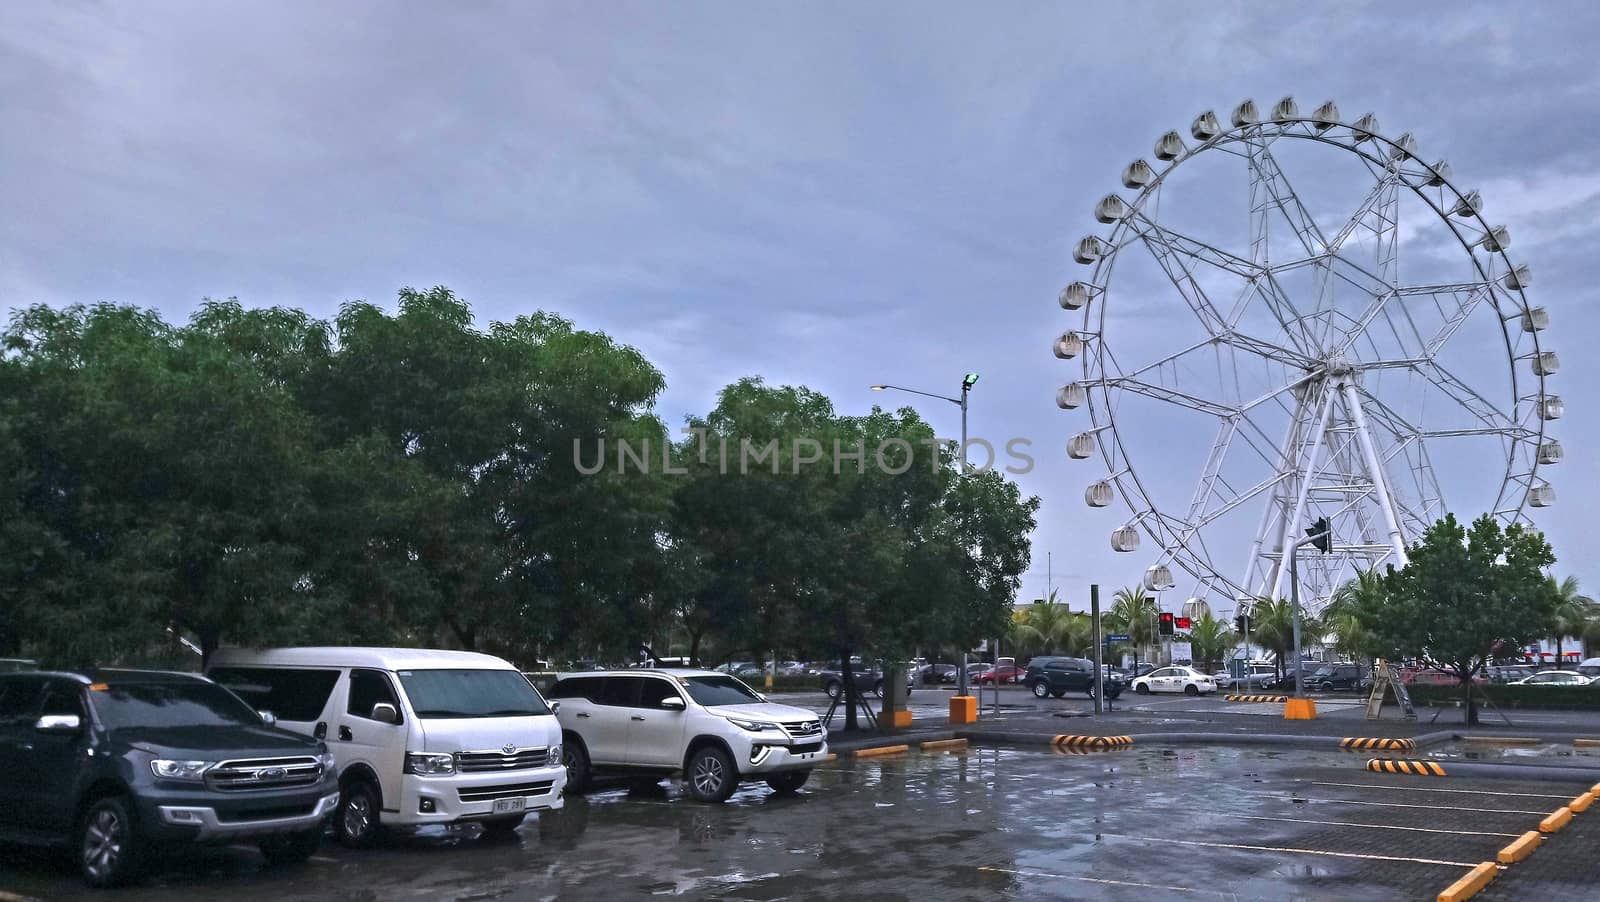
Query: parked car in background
1333	677
8	665
1175	679
932	674
1507	673
421	736
1555	678
1590	667
1286	682
1005	673
1430	678
1252	676
710	726
866	679
1055	677
122	764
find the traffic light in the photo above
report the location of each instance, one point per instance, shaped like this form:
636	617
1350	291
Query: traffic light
1321	535
1164	620
1184	623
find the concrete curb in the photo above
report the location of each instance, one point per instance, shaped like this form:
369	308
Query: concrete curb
1159	739
1552	773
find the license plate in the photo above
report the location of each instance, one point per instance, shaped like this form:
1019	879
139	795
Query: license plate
502	805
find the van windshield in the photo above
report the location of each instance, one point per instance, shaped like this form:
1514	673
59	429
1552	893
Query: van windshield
443	694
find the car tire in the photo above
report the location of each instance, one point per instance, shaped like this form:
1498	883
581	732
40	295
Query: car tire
788	782
833	688
576	759
502	827
290	848
355	822
1041	689
108	844
1142	689
1089	690
877	689
1191	690
711	775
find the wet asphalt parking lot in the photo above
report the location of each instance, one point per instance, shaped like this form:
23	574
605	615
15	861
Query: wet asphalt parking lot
984	823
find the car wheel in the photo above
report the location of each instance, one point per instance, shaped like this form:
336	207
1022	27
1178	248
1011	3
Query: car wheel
832	688
1191	690
877	689
576	759
291	848
1089	690
1142	689
788	782
711	773
1058	693
108	844
355	822
502	827
1041	690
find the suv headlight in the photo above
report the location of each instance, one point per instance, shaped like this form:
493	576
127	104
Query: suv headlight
424	764
754	726
168	769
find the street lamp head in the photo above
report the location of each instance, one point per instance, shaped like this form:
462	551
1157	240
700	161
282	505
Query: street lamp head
970	380
877	387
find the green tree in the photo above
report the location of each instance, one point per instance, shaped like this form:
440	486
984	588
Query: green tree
1051	627
1133	613
1210	640
1463	592
1272	627
1574	614
1341	619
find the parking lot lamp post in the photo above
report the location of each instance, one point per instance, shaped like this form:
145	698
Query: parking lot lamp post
967	382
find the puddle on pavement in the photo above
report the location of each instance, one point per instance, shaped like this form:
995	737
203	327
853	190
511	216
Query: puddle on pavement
1483	751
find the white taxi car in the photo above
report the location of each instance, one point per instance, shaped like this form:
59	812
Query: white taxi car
1175	679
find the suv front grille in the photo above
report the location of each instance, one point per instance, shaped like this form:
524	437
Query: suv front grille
507	791
803	729
499	760
264	773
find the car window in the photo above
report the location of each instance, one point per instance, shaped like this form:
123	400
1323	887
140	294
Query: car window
652	691
62	698
19	700
712	691
1164	672
586	688
467	692
619	691
369	688
291	694
175	703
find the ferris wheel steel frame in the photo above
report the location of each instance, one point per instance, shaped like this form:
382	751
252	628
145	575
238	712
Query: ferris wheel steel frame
1334	416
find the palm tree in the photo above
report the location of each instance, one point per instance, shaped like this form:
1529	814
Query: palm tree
1342	618
1044	626
1133	613
1273	629
1575	612
1210	640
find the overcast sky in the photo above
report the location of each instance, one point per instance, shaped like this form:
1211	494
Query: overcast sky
823	194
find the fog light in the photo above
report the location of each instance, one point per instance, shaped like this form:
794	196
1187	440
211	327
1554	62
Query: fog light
425	805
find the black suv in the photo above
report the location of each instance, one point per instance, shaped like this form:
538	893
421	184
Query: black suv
1329	677
119	764
1058	676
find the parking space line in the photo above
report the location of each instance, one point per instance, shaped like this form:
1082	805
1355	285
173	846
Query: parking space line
1427	807
1106	881
1297	820
1325	852
1478	792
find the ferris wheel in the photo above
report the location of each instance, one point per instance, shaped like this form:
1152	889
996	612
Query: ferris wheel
1353	344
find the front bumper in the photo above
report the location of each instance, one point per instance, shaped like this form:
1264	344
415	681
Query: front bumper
204	823
759	757
451	798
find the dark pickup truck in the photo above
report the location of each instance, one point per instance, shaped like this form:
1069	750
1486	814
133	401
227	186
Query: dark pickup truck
1056	677
118	764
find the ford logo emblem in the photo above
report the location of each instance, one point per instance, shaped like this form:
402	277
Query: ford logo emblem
271	773
509	748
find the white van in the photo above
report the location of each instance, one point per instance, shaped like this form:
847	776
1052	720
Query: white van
420	736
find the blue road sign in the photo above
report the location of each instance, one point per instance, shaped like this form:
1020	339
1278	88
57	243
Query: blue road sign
1118	637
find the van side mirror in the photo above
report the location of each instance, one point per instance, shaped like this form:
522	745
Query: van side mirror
672	703
555	707
61	724
268	718
383	712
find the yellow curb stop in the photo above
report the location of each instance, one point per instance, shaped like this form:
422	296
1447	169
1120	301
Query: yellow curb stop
1520	848
1469	885
1556	820
882	750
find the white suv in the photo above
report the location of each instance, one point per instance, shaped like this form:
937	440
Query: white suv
710	726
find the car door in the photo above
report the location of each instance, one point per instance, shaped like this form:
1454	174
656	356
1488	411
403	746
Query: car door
361	737
606	734
47	762
19	703
655	732
1160	680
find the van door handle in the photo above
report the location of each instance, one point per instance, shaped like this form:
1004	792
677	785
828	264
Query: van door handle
637	717
583	714
345	735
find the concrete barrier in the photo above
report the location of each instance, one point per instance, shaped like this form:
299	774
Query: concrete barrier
1405	766
1471	884
1520	848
